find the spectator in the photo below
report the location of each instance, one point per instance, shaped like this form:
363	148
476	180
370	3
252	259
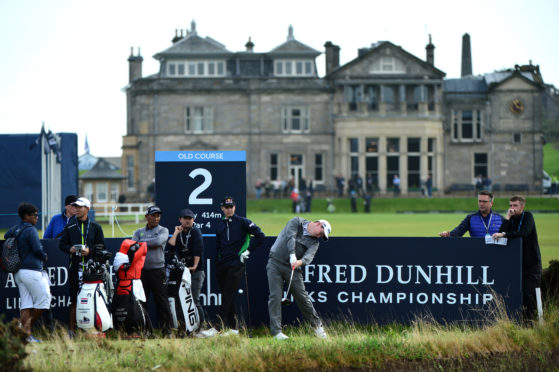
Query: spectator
429	185
59	221
396	185
233	247
520	223
294	200
79	238
482	223
353	201
31	280
367	203
153	273
258	188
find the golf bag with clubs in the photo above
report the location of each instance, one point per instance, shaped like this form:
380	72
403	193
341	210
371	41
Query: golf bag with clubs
128	313
93	301
183	309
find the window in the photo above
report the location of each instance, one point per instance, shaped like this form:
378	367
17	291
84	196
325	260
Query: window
199	68
318	168
114	192
414	144
480	164
101	192
198	119
431	148
130	172
392	168
373	97
466	126
274	167
88	190
295	119
517	138
293	68
390	96
354	156
371	170
388	65
371	144
392	145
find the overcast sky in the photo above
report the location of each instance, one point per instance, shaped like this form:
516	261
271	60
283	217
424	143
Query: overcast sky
65	63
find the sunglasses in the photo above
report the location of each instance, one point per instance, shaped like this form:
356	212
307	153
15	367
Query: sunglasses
228	206
186	217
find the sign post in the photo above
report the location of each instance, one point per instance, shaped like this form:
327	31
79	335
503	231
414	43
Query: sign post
199	180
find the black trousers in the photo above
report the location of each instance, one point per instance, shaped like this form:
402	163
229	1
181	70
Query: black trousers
530	281
154	282
228	279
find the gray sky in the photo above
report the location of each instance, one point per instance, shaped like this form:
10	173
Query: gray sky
65	62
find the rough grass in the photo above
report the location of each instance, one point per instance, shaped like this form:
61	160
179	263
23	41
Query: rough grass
425	345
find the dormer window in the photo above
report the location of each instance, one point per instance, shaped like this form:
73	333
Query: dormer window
388	65
287	67
200	68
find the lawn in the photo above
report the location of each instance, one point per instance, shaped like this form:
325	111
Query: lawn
551	158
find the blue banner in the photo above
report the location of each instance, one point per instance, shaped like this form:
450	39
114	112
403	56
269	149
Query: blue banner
366	280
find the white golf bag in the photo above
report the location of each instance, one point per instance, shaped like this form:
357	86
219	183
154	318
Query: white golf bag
93	304
181	301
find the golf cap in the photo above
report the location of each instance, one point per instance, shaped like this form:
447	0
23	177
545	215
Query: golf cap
82	202
153	210
70	199
327	228
228	201
186	213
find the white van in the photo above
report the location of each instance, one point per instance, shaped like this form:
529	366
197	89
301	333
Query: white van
546	183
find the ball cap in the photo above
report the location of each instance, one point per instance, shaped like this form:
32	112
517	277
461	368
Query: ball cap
228	201
82	202
153	210
186	213
327	228
70	199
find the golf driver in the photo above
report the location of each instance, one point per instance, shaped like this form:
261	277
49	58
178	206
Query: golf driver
286	301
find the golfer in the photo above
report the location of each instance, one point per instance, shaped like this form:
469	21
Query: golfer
294	247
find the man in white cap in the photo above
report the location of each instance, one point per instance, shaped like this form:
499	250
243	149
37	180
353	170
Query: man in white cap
79	238
294	247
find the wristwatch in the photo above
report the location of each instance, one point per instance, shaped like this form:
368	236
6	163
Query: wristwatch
504	234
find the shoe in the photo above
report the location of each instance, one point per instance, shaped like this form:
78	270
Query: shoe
320	333
281	336
231	332
208	332
33	339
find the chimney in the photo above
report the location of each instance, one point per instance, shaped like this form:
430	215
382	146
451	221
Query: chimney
134	65
332	56
177	36
249	45
430	51
466	56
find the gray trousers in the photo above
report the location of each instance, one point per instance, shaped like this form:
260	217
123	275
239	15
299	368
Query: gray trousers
197	282
278	274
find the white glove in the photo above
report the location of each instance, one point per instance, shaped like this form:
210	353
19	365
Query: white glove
244	256
292	259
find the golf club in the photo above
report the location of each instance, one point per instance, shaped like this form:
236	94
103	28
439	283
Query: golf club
248	304
285	301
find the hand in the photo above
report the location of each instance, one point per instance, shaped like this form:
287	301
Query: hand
497	235
292	259
444	234
296	264
85	251
244	256
511	212
178	229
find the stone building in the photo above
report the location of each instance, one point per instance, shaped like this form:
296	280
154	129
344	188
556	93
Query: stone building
385	113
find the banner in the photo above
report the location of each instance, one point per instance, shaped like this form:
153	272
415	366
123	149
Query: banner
366	280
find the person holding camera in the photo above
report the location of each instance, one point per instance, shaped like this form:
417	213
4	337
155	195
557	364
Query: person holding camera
187	244
79	238
520	223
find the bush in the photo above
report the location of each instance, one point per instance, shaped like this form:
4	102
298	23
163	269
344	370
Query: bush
12	346
550	282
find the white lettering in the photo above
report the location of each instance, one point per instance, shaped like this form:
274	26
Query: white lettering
424	298
385	298
10	281
341	273
423	274
400	280
484	276
470	276
440	274
354	269
379	274
323	271
342	297
487	297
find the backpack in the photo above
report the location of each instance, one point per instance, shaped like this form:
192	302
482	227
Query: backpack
10	259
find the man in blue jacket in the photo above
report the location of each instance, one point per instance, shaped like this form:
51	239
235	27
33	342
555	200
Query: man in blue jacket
480	224
31	280
233	246
59	221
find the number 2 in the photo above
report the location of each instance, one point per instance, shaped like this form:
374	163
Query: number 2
193	198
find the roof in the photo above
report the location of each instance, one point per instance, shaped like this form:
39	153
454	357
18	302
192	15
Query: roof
194	46
471	84
292	47
103	169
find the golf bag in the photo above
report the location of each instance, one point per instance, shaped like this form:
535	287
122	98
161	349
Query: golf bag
128	313
93	301
181	302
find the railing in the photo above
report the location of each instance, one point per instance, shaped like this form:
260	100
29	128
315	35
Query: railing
120	209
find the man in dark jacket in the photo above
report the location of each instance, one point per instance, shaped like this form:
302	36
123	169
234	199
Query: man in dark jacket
520	223
482	223
31	280
233	246
79	239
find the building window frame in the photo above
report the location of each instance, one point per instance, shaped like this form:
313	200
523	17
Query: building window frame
101	192
295	119
319	168
481	164
196	68
198	119
466	126
517	138
130	173
294	67
274	167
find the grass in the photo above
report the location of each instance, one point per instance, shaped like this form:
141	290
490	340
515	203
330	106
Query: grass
500	345
551	158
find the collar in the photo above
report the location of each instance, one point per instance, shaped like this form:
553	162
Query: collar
305	229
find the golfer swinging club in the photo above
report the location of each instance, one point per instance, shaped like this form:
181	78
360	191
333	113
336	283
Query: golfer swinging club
294	247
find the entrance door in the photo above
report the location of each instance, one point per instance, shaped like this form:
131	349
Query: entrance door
296	170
